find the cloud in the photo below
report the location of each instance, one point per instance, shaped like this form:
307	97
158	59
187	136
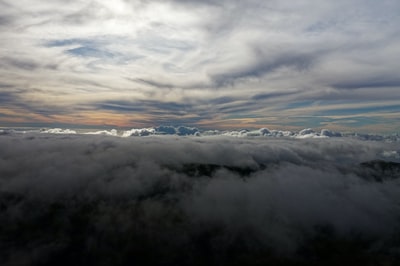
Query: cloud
27	65
139	132
222	61
91	198
7	96
263	66
58	131
112	132
193	131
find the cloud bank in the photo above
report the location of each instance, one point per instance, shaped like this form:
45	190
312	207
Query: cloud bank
216	200
193	131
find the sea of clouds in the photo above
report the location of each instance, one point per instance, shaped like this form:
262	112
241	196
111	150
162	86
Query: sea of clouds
197	199
193	131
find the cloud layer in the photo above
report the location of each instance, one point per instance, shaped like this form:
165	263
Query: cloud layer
231	63
192	131
87	199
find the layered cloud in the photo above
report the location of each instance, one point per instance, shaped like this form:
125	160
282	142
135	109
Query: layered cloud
87	199
192	131
231	63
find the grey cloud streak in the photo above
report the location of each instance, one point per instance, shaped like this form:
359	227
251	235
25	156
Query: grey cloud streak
87	199
263	67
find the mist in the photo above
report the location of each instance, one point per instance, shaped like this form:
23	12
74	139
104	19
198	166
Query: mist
195	200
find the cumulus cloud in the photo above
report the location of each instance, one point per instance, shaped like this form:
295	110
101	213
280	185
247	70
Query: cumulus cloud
193	131
58	131
90	199
112	132
139	132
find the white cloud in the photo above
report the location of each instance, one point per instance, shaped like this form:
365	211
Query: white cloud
58	131
112	132
139	132
192	131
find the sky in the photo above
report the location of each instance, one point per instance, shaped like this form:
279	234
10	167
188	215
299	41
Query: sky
210	64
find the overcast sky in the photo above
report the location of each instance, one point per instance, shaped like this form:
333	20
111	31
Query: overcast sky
210	64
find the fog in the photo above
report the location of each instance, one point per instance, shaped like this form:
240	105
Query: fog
195	200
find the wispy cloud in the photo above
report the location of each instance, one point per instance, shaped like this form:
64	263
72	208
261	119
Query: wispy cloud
246	59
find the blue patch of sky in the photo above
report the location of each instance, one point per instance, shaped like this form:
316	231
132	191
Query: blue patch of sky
93	48
67	42
87	51
320	26
85	47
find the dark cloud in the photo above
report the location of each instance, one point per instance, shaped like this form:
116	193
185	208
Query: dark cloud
73	199
271	95
150	107
368	82
6	21
222	100
7	97
29	65
263	66
236	108
6	85
201	110
120	106
160	130
362	110
154	83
